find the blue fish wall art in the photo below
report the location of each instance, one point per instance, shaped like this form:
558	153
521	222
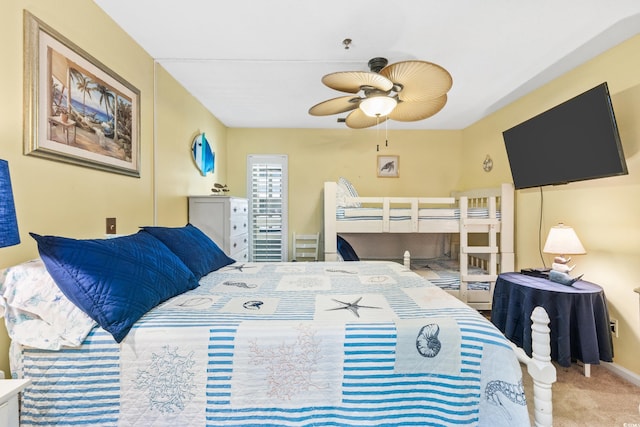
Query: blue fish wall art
202	154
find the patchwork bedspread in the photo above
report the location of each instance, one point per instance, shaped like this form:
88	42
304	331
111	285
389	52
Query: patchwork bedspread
358	343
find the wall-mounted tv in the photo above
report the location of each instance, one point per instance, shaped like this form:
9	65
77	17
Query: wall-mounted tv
574	141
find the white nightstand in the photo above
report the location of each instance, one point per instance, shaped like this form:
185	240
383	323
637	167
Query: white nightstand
9	390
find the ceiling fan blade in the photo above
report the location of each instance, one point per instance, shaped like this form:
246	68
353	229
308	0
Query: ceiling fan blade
421	80
352	81
408	111
335	106
359	120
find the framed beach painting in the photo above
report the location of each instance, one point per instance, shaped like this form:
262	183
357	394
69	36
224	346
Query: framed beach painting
388	166
77	110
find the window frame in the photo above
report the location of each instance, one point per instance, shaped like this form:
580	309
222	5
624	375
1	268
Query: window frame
274	161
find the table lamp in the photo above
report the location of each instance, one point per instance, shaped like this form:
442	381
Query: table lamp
9	234
562	241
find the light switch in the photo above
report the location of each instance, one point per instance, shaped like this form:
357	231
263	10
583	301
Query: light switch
111	226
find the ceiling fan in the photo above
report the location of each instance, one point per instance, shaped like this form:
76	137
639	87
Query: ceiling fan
406	91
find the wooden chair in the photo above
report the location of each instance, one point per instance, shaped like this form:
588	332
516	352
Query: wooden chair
305	247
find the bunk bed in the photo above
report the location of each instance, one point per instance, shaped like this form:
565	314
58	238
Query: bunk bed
485	215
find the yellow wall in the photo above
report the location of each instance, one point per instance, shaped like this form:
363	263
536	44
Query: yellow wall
68	200
603	212
62	199
428	164
180	120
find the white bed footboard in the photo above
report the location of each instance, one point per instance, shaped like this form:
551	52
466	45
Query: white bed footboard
540	368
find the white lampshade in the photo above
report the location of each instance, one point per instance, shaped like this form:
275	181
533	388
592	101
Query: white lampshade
378	106
563	240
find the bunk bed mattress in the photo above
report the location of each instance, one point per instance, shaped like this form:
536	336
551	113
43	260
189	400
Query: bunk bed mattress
358	343
402	214
445	274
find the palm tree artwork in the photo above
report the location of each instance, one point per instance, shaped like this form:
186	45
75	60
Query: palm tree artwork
102	116
108	99
83	85
89	115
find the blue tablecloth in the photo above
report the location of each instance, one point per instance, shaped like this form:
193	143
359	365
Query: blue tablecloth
579	316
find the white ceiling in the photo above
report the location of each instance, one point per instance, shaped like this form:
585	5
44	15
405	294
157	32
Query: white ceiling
258	64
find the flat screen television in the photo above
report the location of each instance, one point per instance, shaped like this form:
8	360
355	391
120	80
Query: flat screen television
574	141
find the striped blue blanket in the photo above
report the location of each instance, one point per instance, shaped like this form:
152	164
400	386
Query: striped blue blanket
287	344
445	273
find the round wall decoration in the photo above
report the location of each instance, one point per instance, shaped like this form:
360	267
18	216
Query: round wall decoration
202	154
487	165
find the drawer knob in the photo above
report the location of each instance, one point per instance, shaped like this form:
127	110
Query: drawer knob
235	227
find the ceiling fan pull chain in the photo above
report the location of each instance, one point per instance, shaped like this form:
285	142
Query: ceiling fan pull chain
377	132
386	133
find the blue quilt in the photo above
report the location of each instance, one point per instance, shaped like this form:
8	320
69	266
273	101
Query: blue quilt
359	343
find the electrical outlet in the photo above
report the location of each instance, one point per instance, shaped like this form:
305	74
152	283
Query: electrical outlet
111	226
614	326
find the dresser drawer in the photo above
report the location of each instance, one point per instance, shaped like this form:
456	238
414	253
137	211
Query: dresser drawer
238	226
239	243
239	207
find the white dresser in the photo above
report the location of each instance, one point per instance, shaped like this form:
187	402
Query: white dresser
225	220
9	390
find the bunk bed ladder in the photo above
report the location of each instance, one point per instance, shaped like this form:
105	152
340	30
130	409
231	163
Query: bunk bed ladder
489	254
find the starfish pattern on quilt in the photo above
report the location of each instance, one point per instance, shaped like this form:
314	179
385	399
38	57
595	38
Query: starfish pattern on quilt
351	306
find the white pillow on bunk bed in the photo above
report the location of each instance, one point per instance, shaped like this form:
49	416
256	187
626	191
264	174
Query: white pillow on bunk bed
344	190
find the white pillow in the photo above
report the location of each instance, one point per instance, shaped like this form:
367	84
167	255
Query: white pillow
36	312
344	190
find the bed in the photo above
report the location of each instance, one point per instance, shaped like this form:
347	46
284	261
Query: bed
324	343
480	220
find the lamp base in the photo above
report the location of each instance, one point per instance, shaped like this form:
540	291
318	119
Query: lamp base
536	272
563	278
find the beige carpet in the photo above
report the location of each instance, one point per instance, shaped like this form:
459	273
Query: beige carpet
604	399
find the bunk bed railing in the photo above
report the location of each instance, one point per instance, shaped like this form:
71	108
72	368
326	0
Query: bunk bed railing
412	204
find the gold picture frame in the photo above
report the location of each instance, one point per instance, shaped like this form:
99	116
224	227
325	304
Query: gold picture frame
388	166
77	110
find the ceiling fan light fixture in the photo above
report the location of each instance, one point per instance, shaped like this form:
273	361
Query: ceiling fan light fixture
378	106
406	91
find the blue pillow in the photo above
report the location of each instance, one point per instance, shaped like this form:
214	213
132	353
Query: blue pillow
196	250
115	281
346	251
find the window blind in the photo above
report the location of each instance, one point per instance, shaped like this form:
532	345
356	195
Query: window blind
267	182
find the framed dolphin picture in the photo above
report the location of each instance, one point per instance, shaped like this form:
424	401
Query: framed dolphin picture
388	166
